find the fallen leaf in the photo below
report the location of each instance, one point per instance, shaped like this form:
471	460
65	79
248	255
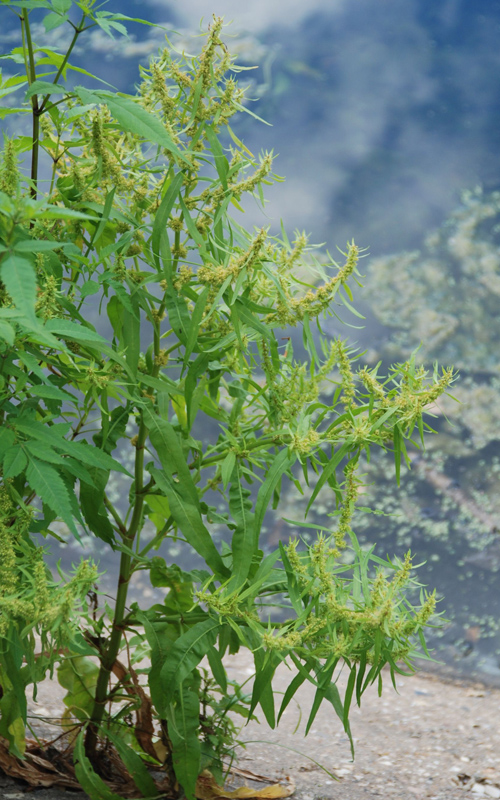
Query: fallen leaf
247	773
207	789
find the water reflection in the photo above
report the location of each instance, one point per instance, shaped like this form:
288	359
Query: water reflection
382	113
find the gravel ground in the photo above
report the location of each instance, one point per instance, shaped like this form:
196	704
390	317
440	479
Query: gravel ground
436	739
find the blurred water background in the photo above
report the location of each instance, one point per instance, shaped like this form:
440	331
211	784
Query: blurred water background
385	117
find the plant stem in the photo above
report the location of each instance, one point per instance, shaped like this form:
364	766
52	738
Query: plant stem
111	653
78	31
31	75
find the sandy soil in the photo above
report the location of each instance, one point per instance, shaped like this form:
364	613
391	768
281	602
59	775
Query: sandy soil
435	738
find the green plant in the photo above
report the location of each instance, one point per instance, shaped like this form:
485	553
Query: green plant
135	220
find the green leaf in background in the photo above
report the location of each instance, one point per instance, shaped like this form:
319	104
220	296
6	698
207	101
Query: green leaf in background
7	332
115	311
78	333
78	675
19	278
52	21
47	392
48	485
44	87
14	462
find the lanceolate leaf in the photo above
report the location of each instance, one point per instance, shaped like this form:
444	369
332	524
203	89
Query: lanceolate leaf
90	781
135	766
183	719
161	644
187	653
94	512
163	214
19	278
187	515
83	452
181	492
327	472
7	332
245	537
281	463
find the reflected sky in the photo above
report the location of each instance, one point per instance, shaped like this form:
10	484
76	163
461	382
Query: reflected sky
380	113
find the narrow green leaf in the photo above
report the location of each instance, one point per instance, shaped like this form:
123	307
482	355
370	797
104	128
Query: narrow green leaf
19	278
84	452
221	162
161	644
186	653
163	214
327	472
292	688
217	667
187	515
245	538
182	494
135	766
333	696
93	509
78	333
38	246
178	315
183	720
87	778
7	333
47	392
115	313
106	211
349	693
262	693
227	468
281	463
132	339
251	320
397	452
323	678
194	328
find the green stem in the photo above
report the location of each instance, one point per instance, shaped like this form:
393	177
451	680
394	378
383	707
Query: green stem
110	654
31	74
78	31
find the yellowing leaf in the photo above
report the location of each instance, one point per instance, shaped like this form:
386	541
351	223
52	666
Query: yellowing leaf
207	789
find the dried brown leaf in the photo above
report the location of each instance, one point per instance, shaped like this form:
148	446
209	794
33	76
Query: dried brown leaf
207	789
